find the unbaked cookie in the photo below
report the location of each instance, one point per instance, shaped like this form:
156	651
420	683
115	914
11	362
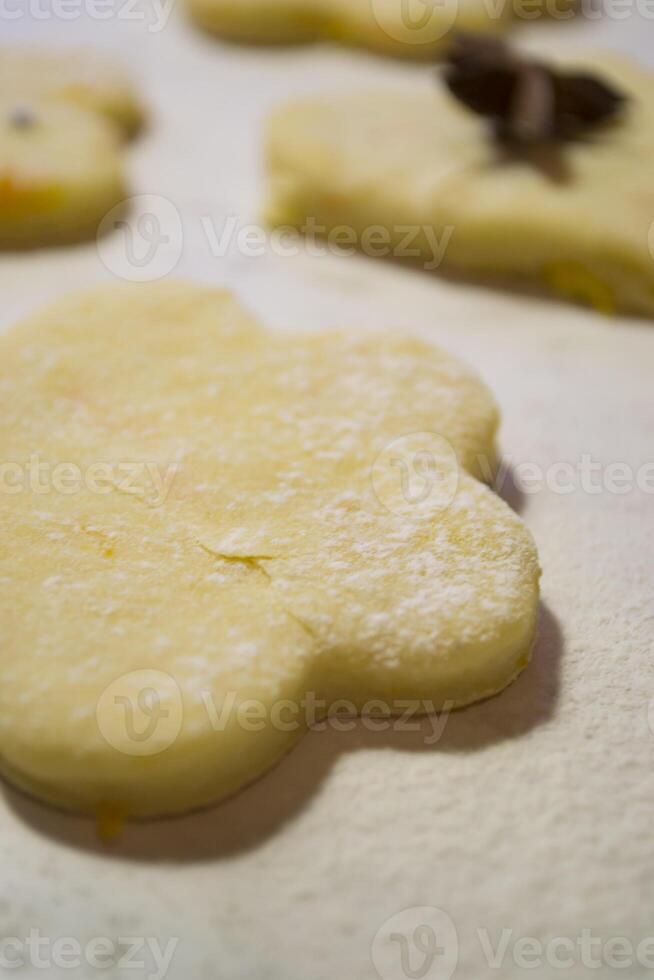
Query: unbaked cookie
405	28
62	130
60	172
212	533
425	168
74	77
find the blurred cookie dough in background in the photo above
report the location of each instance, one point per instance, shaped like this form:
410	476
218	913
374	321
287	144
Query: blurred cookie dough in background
514	171
64	119
416	29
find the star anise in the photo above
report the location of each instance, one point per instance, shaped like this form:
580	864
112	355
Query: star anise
527	101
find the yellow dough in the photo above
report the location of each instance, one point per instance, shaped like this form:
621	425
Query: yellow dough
63	120
424	165
60	172
74	77
406	28
230	544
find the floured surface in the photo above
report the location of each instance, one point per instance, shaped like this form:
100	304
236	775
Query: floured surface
247	537
532	813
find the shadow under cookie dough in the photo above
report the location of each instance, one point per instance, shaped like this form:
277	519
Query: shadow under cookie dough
259	811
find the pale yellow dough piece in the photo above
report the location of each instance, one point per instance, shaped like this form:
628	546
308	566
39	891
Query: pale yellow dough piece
420	161
245	540
64	117
72	76
404	28
60	172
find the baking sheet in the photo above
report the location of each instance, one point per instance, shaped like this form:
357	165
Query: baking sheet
531	816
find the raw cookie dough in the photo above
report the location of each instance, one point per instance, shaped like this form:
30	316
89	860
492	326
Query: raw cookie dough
405	28
209	529
63	122
74	77
421	161
60	172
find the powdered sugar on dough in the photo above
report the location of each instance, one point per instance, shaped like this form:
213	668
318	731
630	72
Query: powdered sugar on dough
247	540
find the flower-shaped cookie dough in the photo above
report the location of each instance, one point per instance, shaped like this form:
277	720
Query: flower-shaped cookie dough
213	533
428	171
61	133
72	76
405	28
